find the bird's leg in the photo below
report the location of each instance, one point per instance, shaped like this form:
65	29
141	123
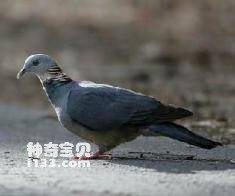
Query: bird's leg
102	153
96	155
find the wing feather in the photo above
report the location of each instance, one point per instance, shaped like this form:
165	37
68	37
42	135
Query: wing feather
107	108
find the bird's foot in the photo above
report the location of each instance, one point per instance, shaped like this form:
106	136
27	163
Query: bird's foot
96	155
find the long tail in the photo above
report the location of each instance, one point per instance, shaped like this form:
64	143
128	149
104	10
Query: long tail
182	134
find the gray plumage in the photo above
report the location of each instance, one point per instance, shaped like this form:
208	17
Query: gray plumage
103	108
108	115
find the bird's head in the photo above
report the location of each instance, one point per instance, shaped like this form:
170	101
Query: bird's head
38	64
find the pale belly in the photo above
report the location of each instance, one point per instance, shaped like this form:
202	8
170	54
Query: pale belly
110	139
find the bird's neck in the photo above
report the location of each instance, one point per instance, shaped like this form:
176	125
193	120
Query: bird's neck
54	82
54	77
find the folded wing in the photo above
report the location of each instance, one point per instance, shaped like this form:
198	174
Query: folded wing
105	108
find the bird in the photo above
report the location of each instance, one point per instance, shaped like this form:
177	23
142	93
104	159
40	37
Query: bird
108	115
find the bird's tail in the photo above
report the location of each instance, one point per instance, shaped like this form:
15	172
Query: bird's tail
182	134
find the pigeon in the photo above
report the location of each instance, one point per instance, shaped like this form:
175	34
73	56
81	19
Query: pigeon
108	115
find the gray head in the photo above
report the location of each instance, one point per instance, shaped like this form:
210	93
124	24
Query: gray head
37	64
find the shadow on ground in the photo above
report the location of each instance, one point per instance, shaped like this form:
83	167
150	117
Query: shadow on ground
173	163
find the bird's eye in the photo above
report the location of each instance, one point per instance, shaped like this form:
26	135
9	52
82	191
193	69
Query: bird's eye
35	62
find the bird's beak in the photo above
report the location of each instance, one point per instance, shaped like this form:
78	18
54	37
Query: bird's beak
21	73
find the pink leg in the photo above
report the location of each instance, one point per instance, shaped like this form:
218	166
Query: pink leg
96	155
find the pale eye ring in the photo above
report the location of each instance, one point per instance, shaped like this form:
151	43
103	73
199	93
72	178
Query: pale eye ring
35	62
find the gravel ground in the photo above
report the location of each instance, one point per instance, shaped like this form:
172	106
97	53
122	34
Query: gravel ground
146	166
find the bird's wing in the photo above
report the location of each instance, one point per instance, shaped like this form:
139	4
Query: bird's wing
105	107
